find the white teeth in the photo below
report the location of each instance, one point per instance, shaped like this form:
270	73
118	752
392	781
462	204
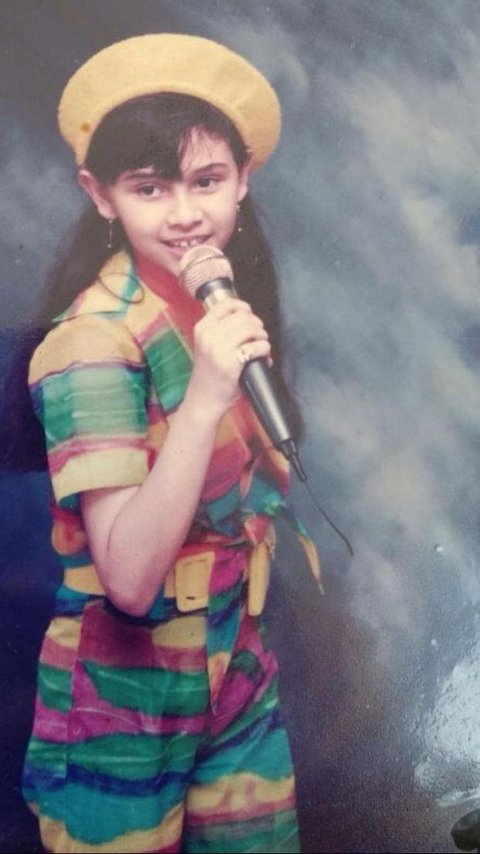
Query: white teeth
185	244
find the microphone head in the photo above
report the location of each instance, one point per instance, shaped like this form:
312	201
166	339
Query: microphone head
202	264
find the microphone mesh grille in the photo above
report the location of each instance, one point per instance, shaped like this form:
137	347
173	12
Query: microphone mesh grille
203	264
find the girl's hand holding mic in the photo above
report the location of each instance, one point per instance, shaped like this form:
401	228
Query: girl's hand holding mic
228	337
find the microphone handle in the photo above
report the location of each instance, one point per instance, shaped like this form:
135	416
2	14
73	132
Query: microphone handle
257	382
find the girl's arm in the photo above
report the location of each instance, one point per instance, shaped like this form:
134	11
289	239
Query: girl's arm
136	532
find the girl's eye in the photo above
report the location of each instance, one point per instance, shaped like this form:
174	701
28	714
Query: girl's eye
149	190
206	182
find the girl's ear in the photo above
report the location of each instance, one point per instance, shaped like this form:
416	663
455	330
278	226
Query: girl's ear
244	175
97	192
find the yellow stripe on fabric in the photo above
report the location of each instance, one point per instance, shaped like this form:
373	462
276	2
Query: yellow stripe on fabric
184	633
84	579
65	631
217	667
146	313
56	838
86	339
312	555
157	433
243	789
101	468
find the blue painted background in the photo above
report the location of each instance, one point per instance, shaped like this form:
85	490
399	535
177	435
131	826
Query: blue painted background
372	204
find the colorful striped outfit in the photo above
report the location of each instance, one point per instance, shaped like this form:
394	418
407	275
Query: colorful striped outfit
160	733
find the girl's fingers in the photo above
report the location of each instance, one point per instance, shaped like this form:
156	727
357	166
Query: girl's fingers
230	327
230	314
252	350
229	306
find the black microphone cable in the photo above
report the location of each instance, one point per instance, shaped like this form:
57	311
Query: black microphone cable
303	478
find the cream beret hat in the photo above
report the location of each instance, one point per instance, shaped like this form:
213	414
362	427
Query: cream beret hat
171	62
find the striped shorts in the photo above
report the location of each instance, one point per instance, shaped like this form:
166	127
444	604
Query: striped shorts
149	737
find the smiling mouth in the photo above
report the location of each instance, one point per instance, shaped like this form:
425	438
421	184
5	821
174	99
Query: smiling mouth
185	243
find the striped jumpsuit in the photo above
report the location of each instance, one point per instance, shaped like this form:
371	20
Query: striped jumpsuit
160	733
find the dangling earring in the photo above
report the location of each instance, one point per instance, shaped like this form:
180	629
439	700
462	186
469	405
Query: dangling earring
239	221
110	234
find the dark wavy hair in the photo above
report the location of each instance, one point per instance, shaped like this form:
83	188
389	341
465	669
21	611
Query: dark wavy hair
151	131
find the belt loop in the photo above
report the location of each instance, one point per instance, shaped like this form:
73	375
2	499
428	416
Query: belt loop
258	578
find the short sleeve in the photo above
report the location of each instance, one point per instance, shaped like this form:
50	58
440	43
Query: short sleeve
87	383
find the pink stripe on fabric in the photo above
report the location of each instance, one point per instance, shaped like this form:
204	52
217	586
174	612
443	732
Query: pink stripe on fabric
134	647
77	446
193	661
227	571
49	724
148	333
167	849
225	469
252	810
56	655
98	718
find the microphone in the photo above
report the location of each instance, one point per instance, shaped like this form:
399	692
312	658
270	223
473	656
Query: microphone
207	275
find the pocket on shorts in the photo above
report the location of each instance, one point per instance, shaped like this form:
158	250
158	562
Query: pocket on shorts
108	681
252	669
129	678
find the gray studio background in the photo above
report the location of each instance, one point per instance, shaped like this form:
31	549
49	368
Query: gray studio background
372	204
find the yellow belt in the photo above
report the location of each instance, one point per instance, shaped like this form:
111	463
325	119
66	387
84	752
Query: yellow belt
189	579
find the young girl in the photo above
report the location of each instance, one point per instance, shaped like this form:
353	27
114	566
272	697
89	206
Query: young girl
157	725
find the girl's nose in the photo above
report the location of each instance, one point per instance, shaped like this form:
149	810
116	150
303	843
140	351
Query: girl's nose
184	210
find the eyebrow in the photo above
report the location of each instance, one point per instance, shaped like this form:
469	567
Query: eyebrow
147	173
141	173
208	167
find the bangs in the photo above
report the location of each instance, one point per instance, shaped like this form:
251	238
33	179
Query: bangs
154	131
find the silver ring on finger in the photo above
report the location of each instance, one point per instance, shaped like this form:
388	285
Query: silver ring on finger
242	354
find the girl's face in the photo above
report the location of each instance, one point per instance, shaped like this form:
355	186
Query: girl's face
164	218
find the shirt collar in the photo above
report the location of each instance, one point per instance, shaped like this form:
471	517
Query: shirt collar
117	286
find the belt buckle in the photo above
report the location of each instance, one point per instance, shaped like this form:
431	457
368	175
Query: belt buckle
192	578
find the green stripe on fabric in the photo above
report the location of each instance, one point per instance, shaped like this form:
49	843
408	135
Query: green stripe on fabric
114	814
54	687
270	759
224	506
151	691
95	399
134	757
265	495
264	706
130	289
221	600
246	662
48	755
171	367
